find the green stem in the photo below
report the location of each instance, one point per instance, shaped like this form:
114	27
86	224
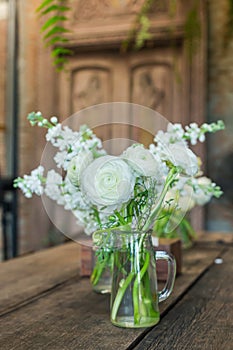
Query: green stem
189	228
120	218
136	288
100	266
120	293
170	178
97	272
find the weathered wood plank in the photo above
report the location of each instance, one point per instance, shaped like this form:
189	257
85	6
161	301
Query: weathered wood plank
209	236
203	318
20	280
195	262
25	277
71	316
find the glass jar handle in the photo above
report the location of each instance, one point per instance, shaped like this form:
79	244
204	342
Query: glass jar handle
166	291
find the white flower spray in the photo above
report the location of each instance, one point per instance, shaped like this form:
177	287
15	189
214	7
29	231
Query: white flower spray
105	192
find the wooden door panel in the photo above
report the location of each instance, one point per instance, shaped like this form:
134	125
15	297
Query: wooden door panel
156	83
152	87
90	86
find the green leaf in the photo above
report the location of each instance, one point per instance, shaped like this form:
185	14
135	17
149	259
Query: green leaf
61	51
44	4
60	59
56	39
59	62
51	21
55	8
55	30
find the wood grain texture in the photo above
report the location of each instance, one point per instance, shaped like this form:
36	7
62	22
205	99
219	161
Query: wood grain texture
213	237
23	278
203	318
72	316
195	262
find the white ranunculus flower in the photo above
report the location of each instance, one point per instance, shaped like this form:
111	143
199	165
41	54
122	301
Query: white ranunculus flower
183	157
77	165
201	197
142	161
108	181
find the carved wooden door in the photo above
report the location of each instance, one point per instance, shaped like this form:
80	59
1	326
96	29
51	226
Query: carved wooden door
160	76
149	78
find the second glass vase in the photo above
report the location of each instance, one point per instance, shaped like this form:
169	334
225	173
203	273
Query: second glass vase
101	277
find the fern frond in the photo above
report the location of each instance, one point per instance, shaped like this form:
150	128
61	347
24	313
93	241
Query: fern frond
55	40
61	51
139	32
44	4
55	8
51	21
54	28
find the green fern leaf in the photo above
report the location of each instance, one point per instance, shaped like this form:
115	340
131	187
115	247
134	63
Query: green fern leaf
56	30
51	21
55	8
60	60
53	29
55	40
61	51
44	4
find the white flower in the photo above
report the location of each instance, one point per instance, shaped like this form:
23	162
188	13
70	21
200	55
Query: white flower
77	166
108	181
54	120
201	194
162	138
61	159
192	131
53	133
183	157
62	138
174	134
175	129
141	161
53	187
32	183
101	190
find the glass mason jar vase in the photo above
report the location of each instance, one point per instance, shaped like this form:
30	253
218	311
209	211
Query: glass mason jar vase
134	293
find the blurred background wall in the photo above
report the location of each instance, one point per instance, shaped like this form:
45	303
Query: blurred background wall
183	85
3	50
219	105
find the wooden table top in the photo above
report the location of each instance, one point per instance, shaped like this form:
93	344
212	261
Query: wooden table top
44	304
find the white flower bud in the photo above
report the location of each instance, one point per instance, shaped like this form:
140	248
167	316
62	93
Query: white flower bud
77	165
54	120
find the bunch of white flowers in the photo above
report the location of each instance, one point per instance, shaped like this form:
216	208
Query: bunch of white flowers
128	191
